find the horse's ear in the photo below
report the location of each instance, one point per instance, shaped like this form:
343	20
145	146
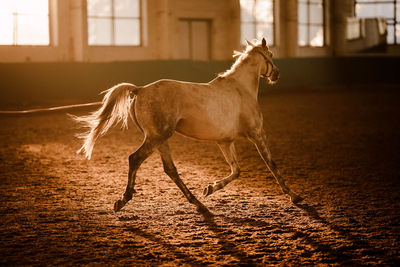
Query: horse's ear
264	43
237	53
249	43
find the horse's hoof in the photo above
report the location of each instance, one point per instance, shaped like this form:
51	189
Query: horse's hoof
205	212
118	205
296	199
208	190
203	209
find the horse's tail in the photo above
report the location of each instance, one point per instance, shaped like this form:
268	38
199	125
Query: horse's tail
116	108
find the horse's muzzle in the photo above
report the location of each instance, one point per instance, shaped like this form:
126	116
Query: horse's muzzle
274	76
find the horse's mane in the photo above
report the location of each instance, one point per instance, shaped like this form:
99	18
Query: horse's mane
241	56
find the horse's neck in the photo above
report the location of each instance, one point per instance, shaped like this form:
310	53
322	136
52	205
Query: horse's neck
248	76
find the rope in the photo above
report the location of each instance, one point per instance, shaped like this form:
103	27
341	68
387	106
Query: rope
14	112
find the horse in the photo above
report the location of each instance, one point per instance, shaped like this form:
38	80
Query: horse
221	111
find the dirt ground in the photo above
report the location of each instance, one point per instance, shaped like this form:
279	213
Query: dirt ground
337	148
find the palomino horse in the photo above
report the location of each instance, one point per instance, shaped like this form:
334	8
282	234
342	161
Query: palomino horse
222	110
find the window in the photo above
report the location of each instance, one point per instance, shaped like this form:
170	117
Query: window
257	20
114	22
24	22
388	9
311	23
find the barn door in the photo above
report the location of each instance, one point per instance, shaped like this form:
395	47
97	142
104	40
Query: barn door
195	41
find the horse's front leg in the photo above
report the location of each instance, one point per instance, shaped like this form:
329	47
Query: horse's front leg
228	150
260	141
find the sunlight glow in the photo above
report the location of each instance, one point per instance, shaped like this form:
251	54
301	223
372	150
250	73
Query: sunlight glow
390	10
114	22
257	20
310	23
264	11
318	38
24	22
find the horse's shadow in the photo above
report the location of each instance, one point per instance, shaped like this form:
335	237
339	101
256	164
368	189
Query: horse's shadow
346	255
227	247
332	255
172	249
346	232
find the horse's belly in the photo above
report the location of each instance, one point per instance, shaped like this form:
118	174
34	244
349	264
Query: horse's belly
206	130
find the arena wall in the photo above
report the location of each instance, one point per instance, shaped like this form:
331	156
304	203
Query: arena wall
41	83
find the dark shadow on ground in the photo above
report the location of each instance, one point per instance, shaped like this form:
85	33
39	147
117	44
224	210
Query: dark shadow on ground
228	247
174	252
346	232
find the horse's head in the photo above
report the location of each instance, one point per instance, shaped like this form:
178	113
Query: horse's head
268	70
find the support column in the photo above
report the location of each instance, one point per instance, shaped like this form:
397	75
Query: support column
78	42
235	31
341	9
163	30
288	28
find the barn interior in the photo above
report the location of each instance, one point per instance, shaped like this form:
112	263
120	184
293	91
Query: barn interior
332	122
59	50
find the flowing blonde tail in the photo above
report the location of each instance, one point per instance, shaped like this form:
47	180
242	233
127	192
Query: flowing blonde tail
116	108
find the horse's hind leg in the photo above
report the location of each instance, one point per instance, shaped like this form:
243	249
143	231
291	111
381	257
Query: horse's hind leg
228	149
260	141
170	170
135	160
